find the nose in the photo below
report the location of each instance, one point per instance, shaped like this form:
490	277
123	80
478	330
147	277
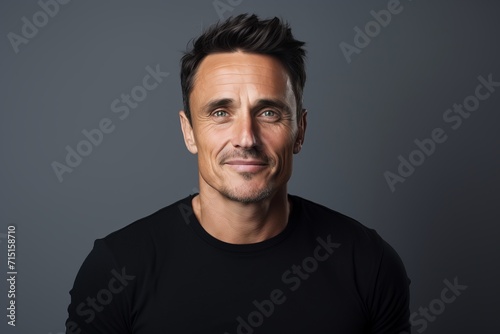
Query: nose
244	132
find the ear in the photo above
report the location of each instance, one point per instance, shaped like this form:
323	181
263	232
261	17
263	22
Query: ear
187	132
299	141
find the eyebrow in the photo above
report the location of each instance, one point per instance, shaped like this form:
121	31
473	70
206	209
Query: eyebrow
274	103
215	104
261	103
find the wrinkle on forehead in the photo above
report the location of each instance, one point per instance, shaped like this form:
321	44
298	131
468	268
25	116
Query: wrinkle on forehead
225	68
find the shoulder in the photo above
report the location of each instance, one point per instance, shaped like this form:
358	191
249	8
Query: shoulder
361	245
158	222
141	238
125	258
364	256
325	219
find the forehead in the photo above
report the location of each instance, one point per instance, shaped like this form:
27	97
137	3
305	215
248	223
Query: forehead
222	71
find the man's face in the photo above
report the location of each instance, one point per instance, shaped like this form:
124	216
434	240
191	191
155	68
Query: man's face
244	125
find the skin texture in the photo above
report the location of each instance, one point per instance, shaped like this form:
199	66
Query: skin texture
245	131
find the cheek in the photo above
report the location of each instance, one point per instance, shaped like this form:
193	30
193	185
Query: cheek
205	140
210	145
282	138
280	147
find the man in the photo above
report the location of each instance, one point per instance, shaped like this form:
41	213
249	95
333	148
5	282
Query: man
242	256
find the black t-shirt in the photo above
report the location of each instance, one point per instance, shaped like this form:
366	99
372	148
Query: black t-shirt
324	273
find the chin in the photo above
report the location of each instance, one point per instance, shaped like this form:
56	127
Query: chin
245	195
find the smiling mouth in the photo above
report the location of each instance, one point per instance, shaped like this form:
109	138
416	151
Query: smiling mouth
245	162
249	166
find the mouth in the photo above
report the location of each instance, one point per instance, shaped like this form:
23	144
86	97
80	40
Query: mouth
248	166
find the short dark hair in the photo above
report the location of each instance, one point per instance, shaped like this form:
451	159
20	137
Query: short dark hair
247	33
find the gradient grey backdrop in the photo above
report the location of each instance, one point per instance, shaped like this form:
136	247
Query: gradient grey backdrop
442	220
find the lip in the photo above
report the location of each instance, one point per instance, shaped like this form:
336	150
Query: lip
249	166
245	162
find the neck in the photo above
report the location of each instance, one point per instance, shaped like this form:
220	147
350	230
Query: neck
241	223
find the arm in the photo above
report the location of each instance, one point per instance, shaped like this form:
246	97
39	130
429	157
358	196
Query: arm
390	298
100	298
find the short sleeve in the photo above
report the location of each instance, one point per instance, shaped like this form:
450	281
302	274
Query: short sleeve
391	297
100	301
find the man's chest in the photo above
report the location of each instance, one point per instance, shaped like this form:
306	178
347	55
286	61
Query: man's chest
245	296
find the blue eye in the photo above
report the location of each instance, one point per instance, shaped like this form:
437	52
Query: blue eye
269	113
220	113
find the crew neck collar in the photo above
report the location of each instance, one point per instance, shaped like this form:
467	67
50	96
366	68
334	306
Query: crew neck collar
244	248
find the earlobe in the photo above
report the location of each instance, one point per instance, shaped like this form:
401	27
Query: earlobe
297	148
187	132
301	132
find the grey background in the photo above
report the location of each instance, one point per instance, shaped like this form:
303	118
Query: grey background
442	220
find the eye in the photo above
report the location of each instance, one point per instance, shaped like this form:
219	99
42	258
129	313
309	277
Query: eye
269	113
219	113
